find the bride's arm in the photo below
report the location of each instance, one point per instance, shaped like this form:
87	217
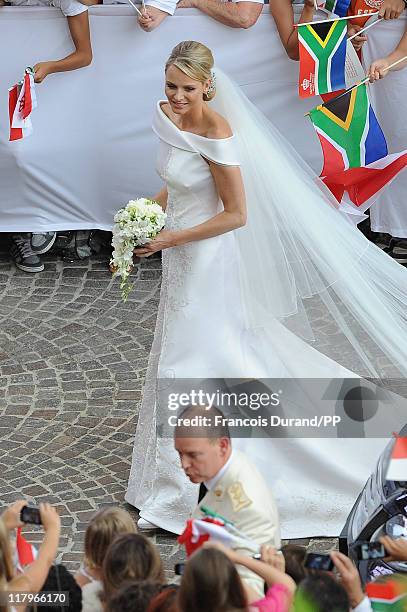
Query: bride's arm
161	197
229	184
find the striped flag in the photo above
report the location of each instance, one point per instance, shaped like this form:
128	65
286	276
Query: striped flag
322	47
348	131
26	552
338	7
354	148
397	469
387	594
199	531
22	101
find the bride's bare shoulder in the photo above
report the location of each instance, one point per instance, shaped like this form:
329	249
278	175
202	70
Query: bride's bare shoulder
219	127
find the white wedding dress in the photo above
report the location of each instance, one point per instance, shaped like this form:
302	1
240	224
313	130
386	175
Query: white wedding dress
204	325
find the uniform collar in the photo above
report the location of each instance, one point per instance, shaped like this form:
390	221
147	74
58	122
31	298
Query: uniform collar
211	483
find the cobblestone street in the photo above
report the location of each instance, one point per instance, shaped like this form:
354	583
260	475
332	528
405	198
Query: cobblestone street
72	361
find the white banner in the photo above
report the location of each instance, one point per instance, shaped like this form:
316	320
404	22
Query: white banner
93	148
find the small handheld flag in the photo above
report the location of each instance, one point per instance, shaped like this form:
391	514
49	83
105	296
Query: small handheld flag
322	48
22	101
26	552
397	469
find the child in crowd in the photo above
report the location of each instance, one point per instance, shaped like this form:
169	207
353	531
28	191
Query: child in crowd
211	582
131	557
34	576
133	596
27	247
103	528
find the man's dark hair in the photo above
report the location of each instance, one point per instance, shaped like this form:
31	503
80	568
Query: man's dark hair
60	579
133	596
322	593
213	431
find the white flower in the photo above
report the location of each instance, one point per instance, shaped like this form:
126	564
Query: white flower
135	224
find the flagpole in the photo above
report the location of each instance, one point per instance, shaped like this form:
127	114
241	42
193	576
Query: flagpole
296	25
402	59
134	6
365	80
378	20
340	95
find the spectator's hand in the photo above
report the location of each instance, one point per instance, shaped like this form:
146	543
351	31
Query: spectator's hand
391	9
163	240
272	557
396	549
186	4
309	3
145	21
49	517
11	516
151	18
350	579
358	41
42	70
378	69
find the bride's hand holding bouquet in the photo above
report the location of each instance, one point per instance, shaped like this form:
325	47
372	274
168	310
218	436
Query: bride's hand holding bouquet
136	225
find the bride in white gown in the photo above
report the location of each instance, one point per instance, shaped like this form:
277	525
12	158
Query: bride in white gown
238	298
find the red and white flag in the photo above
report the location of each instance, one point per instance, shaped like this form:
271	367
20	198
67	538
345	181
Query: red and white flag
199	531
26	552
21	102
363	185
397	469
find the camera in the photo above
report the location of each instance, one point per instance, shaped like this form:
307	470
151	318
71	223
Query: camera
369	550
30	514
179	569
317	561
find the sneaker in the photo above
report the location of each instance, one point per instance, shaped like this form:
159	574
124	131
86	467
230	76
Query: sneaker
41	243
24	258
399	252
144	525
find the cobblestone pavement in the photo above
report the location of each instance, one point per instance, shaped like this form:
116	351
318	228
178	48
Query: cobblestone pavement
72	362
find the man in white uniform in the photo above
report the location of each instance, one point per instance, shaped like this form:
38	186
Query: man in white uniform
231	485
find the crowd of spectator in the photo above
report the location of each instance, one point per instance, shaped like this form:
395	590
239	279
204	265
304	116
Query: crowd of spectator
122	571
27	248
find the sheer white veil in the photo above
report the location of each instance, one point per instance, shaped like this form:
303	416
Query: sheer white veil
302	261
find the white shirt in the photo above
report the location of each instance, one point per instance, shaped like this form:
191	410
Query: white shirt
70	8
169	6
364	606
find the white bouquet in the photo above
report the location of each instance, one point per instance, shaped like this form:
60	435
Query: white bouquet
135	224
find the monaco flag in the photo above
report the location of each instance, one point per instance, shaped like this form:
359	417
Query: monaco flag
199	531
21	102
397	469
26	552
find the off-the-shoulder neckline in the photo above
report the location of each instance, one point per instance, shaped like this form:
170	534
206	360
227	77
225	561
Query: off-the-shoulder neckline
160	102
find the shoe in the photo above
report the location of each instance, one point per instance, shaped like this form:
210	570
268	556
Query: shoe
41	243
400	251
397	250
144	525
24	258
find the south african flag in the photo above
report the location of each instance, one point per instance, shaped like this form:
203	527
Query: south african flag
354	148
322	47
348	131
339	7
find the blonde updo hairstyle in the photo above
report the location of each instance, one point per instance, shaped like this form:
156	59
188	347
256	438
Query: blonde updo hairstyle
196	61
